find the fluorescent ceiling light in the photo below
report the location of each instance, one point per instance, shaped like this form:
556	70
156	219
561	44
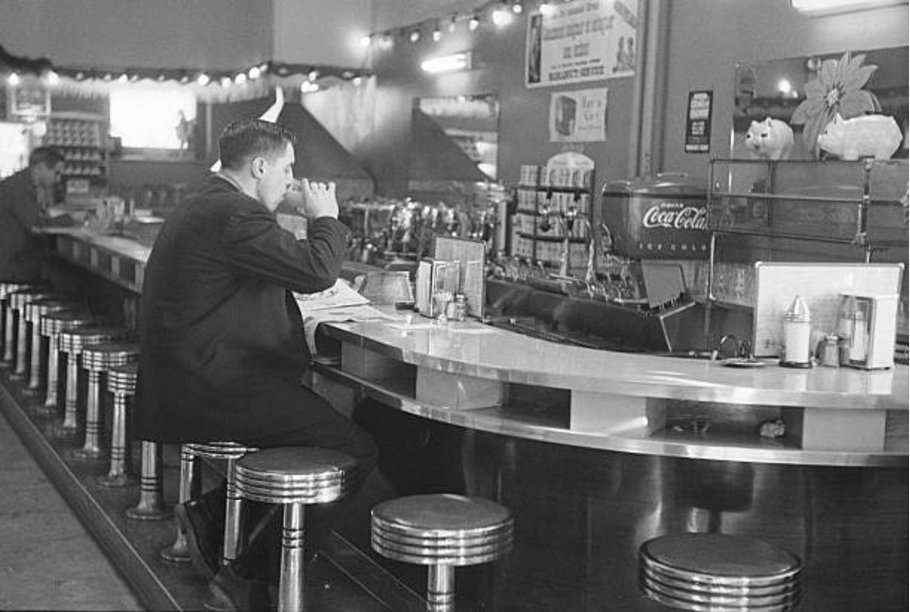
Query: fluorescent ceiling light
827	7
447	63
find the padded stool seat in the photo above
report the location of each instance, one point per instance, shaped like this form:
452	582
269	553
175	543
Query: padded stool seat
442	531
98	358
707	571
34	312
72	342
8	324
51	325
17	302
294	477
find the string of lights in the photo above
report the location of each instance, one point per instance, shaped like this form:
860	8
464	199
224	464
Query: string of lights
257	80
499	13
224	85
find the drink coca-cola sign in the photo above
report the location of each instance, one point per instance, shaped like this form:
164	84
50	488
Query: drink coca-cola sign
658	226
676	215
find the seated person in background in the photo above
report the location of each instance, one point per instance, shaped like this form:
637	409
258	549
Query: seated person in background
24	197
222	341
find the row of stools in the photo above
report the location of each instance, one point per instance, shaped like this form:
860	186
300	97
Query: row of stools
686	571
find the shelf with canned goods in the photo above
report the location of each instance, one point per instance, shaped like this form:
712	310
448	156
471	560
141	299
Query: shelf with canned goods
554	205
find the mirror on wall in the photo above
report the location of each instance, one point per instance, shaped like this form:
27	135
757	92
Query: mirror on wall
455	138
775	88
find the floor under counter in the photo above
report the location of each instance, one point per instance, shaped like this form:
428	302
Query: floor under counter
341	580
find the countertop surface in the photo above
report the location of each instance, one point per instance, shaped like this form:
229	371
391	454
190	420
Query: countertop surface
474	349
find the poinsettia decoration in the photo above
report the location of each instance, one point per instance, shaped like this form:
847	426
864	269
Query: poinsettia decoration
837	90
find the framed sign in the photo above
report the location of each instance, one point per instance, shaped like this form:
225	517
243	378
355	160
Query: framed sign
580	41
698	122
29	100
578	116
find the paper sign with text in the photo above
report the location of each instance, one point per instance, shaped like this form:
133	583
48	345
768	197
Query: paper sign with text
580	41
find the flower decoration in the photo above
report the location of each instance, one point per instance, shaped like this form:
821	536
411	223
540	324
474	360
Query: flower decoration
837	90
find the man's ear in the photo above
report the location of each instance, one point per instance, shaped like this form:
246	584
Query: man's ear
257	167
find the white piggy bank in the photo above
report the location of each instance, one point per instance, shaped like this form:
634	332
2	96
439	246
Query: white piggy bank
867	136
769	139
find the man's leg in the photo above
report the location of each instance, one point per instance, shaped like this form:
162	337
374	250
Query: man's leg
315	423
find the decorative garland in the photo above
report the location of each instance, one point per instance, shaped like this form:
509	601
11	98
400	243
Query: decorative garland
217	86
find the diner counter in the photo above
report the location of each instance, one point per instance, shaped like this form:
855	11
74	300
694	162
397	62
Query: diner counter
486	378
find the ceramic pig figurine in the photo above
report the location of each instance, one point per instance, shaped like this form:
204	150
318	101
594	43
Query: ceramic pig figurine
870	135
770	139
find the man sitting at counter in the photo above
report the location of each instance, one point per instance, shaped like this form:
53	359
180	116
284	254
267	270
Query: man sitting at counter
222	342
23	198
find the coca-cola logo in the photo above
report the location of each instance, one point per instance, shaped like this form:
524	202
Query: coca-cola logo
676	215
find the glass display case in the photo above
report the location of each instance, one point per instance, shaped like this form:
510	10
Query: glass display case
861	205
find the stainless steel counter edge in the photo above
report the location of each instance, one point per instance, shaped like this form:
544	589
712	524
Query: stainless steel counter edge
635	440
510	357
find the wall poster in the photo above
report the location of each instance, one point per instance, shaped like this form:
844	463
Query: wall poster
580	41
698	122
579	116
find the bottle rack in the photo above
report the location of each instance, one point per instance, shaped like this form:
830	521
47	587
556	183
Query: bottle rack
565	183
79	136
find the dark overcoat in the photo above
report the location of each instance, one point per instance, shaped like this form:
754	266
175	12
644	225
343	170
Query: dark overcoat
20	252
222	349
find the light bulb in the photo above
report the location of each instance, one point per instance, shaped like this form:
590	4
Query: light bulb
474	23
203	79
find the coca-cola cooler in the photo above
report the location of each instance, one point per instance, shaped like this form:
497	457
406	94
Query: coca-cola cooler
662	217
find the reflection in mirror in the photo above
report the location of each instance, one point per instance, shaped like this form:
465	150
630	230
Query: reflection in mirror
776	88
454	138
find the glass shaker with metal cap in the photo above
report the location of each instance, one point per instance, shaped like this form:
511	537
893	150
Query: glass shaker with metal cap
797	335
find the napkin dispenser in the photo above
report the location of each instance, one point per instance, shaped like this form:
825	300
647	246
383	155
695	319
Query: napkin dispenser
872	329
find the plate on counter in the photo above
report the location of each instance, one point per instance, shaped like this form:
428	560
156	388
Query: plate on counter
742	362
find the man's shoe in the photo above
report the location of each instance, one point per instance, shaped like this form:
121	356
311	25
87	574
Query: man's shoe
203	537
230	592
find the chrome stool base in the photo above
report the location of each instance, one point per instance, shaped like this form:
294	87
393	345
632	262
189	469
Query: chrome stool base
293	477
190	488
151	495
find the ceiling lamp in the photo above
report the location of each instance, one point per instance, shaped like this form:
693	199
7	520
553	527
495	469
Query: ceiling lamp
474	23
447	63
829	7
203	79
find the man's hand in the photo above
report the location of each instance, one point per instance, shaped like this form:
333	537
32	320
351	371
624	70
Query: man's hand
318	200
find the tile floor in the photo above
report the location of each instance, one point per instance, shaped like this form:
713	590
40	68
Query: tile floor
48	561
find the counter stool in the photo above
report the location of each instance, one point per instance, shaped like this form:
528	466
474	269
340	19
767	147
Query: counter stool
442	531
34	311
51	325
6	320
18	300
121	382
191	487
97	359
709	571
71	342
151	505
293	477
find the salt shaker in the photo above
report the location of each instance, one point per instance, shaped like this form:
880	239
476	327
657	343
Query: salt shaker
797	335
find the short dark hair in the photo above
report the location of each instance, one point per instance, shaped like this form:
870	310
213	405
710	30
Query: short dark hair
248	138
48	156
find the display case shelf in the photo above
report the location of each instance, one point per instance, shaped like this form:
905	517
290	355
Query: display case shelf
843	202
80	137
